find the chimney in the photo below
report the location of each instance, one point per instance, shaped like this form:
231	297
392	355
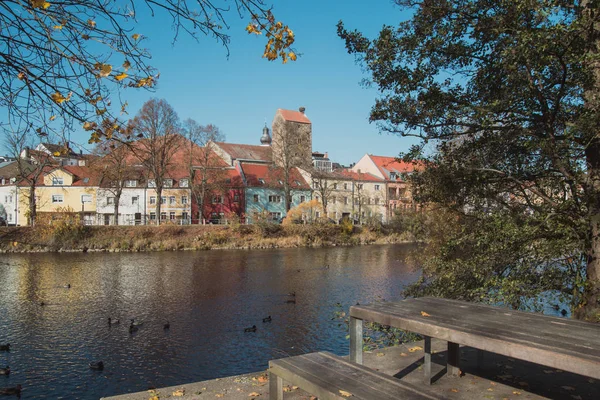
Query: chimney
302	109
326	155
358	170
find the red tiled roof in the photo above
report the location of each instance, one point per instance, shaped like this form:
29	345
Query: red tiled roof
272	176
391	164
82	176
230	176
246	151
294	116
363	176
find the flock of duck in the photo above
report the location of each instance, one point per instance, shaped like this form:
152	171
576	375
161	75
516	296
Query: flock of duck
134	326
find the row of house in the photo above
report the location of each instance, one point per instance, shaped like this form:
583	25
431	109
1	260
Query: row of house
243	182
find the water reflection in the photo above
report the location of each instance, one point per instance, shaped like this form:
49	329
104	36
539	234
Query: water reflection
208	297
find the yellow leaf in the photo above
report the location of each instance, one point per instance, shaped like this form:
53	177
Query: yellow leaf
180	392
40	4
126	65
88	126
423	313
105	69
135	36
292	56
58	98
58	27
413	349
345	394
53	117
380	354
100	111
219	395
263	379
91	23
154	398
254	394
56	153
21	75
121	76
454	390
516	392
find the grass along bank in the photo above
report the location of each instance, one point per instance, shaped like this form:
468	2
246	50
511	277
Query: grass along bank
68	237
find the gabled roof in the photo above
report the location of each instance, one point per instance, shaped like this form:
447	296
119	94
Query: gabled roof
359	176
229	176
246	151
391	164
82	176
294	116
59	148
272	176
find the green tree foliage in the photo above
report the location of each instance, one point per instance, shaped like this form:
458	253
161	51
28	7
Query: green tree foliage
63	62
507	92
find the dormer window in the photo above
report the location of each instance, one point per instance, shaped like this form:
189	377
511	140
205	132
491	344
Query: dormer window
130	183
184	183
58	181
86	180
393	176
168	183
151	183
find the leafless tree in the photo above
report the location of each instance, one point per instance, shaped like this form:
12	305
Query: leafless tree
157	125
324	186
64	61
206	169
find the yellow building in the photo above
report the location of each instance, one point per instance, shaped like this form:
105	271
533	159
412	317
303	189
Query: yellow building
62	189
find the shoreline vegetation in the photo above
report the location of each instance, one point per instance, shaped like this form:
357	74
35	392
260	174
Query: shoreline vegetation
78	238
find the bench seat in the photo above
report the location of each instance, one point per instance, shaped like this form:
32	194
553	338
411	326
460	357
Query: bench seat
328	376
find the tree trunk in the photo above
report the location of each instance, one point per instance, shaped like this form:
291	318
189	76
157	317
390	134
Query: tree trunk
159	190
32	206
116	211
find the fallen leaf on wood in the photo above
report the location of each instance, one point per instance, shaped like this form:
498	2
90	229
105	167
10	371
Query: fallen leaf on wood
454	390
313	398
516	392
493	383
380	354
219	395
490	389
345	394
287	389
403	354
423	313
180	392
413	349
154	398
294	387
254	394
568	387
263	379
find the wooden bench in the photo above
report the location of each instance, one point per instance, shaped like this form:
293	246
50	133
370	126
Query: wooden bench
330	377
561	343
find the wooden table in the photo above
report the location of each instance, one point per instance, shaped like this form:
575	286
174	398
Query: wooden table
561	343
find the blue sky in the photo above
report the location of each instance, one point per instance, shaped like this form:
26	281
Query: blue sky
240	93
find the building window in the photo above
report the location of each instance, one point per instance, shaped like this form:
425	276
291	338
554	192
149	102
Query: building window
163	199
274	216
318	214
110	200
86	198
302	199
8	198
184	216
163	216
172	215
369	201
171	199
274	199
184	200
333	200
152	216
335	186
345	186
151	183
58	181
356	201
315	185
57	198
345	200
359	186
130	183
363	214
152	199
256	198
217	199
167	183
184	182
376	200
376	187
135	200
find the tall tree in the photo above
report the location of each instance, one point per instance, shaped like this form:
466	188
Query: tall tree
324	186
61	61
206	168
157	126
509	92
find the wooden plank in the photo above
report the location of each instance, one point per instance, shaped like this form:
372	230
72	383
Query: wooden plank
275	387
324	375
559	343
427	360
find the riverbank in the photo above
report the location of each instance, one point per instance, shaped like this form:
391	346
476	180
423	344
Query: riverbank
193	237
498	378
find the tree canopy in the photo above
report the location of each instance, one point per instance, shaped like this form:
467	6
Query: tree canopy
506	93
64	62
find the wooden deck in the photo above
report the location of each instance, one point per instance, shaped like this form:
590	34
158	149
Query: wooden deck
566	344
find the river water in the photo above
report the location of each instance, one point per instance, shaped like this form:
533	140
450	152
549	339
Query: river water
208	298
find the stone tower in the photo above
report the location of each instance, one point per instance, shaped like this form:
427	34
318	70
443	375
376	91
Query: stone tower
292	139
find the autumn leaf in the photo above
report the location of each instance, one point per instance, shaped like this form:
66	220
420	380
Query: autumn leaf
58	27
254	394
59	98
53	117
180	392
121	76
154	398
40	4
100	111
454	390
56	153
135	36
91	23
105	69
21	75
380	354
126	65
516	392
345	394
413	349
263	379
252	28
292	56
423	313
